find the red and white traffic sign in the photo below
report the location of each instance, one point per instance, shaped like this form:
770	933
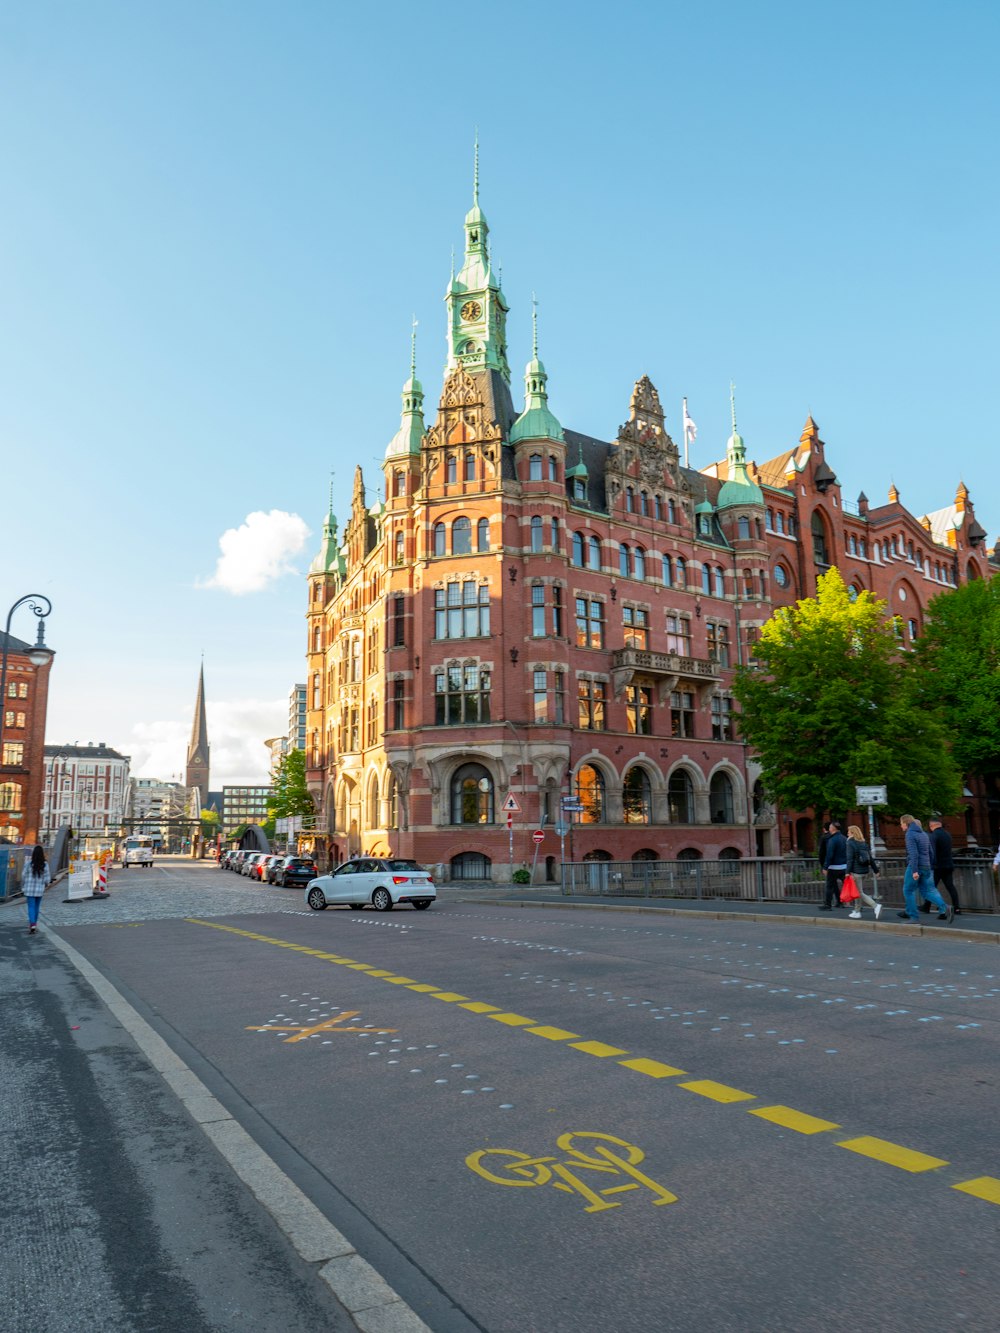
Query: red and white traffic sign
538	835
510	806
510	821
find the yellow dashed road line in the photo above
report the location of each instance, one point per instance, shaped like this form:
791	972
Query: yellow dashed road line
881	1150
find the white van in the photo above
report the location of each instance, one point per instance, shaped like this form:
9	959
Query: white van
137	850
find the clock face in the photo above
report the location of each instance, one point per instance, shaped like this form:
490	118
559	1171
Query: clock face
471	310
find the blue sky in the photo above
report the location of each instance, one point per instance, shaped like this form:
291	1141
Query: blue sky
220	218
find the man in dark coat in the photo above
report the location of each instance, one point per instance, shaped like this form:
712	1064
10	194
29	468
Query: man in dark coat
942	863
835	865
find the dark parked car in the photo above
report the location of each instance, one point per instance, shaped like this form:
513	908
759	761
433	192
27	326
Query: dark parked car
293	870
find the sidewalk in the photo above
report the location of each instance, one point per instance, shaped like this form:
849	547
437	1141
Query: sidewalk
978	926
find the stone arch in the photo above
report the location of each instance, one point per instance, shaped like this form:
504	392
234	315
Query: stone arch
696	801
739	790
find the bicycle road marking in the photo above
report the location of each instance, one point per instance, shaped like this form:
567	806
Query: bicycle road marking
896	1155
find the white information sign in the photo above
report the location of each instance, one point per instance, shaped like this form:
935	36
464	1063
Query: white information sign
870	795
80	882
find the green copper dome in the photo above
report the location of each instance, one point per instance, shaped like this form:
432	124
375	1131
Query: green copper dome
738	489
407	439
536	422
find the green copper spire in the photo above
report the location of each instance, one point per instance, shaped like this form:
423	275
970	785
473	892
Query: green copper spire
327	554
739	488
411	426
536	422
477	311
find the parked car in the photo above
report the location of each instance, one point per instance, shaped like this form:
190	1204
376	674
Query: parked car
382	882
292	870
249	862
264	867
224	856
237	859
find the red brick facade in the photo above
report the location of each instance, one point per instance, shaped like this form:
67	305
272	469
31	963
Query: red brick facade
537	614
22	759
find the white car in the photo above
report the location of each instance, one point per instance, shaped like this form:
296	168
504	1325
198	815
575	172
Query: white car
380	881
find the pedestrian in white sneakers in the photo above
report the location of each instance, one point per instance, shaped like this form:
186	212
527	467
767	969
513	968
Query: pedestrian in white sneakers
861	862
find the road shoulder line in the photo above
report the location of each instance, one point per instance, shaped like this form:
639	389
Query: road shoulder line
371	1302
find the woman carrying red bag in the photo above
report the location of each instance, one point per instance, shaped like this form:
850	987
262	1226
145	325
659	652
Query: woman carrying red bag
860	861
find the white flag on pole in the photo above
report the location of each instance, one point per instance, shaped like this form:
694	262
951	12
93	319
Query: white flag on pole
690	429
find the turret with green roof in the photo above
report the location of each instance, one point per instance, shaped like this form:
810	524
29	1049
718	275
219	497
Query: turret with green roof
407	439
536	422
326	558
477	311
738	488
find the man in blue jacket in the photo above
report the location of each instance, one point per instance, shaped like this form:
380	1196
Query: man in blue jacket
918	873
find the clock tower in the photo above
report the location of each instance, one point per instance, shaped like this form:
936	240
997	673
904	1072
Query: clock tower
477	311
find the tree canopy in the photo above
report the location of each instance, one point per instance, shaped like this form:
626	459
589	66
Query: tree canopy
832	703
290	795
959	657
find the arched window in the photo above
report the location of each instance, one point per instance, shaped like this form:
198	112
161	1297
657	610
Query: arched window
593	553
689	854
461	536
680	798
720	581
644	504
536	529
10	796
779	522
681	569
821	553
630	499
578	549
671	512
624	564
590	794
667	570
471	865
730	854
451	468
470	467
440	539
769	520
748	583
398	547
483	535
743	527
535	467
657	508
637	801
399	483
555	534
392	802
372	804
720	799
706	578
553	469
471	795
639	561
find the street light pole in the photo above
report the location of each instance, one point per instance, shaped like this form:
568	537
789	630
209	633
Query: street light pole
38	655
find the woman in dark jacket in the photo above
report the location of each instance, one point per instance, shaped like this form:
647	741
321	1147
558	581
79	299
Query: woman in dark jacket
860	862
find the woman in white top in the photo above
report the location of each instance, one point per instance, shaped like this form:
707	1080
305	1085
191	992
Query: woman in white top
36	878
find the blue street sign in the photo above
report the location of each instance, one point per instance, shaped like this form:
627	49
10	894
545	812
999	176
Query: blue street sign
572	805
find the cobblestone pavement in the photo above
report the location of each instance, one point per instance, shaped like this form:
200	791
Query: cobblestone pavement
171	888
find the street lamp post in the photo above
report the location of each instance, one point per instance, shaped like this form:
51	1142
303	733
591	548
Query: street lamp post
38	655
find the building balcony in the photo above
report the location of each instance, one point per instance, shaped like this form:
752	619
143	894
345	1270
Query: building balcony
670	671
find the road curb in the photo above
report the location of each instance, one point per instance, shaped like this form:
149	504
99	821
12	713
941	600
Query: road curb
372	1304
720	914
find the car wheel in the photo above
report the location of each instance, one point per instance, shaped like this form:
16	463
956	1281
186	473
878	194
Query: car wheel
382	900
356	907
421	906
316	900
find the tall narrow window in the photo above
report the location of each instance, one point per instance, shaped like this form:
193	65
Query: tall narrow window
666	568
536	531
440	539
681	569
821	553
553	469
483	535
399	483
592	697
539	697
682	714
559	695
680	798
720	800
657	508
639	562
398	547
538	610
578	549
706	578
743	527
639	710
719	582
398	705
398	622
554	535
557	611
589	623
671	511
636	622
630	499
535	467
590	794
451	468
470	467
722	718
624	563
593	553
644	504
637	804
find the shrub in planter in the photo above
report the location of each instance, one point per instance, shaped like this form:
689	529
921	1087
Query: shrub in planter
522	876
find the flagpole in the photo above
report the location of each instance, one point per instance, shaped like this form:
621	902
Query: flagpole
687	462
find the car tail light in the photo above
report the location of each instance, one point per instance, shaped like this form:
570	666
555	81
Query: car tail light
400	879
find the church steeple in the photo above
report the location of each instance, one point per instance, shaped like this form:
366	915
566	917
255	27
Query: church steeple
196	774
477	311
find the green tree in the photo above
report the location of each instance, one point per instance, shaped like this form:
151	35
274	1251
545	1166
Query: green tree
831	703
209	824
959	658
291	796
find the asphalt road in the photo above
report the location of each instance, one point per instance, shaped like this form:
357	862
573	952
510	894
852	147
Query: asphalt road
581	1120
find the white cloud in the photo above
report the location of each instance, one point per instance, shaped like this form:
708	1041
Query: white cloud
237	731
258	552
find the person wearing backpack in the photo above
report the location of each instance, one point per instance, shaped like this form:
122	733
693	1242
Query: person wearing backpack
860	862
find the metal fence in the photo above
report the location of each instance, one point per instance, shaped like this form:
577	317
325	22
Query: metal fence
757	879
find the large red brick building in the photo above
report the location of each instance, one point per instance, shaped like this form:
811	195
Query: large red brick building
22	756
539	620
